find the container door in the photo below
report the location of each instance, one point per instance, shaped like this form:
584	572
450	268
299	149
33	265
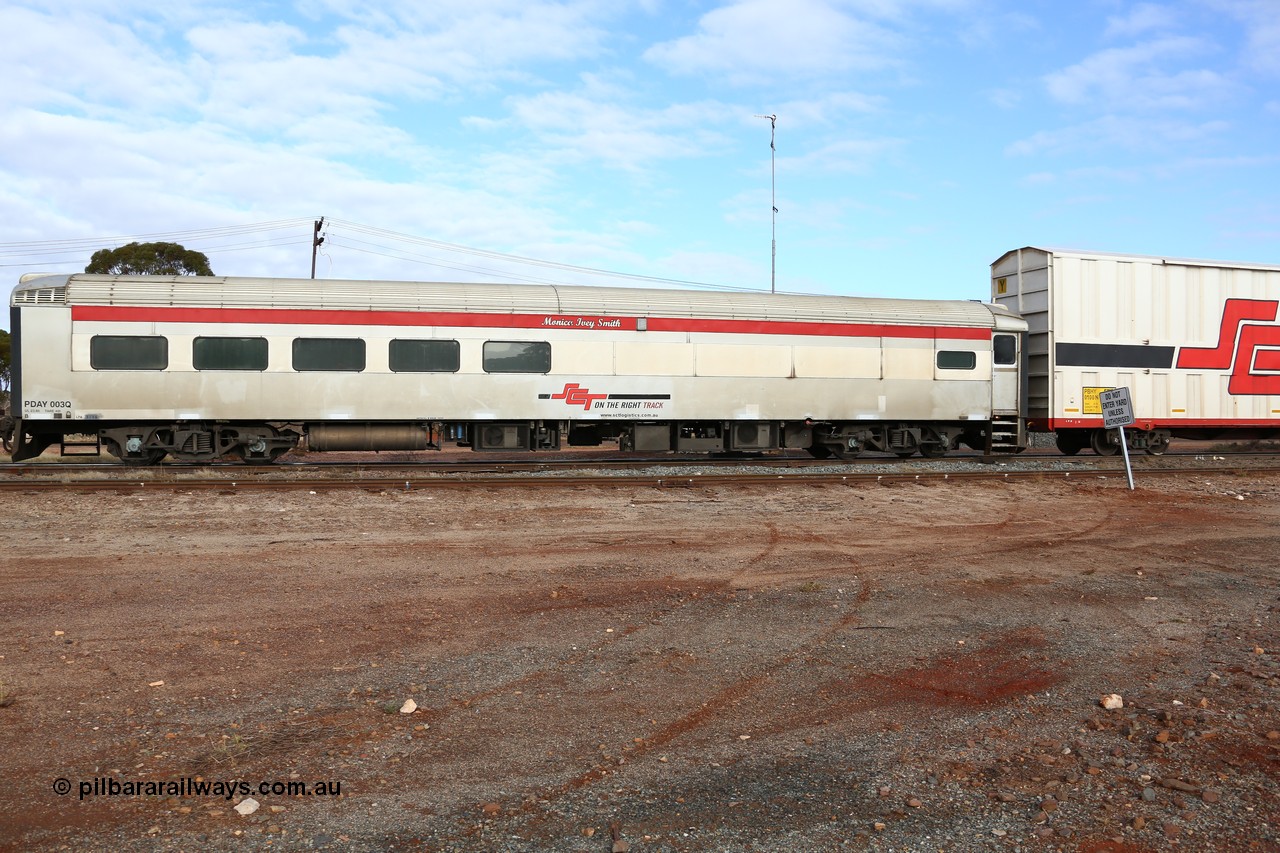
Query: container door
1005	379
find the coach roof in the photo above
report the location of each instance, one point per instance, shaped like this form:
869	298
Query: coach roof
349	295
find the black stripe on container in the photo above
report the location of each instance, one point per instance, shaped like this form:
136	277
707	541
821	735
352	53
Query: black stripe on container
639	396
1113	355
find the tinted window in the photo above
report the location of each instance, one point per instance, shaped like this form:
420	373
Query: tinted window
229	353
424	356
517	357
957	360
128	352
1005	348
328	354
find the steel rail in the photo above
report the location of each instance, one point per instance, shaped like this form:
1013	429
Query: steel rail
542	463
382	484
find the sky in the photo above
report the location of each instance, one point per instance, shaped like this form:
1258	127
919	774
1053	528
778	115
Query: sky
620	142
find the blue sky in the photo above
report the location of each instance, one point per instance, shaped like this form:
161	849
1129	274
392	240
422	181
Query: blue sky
917	140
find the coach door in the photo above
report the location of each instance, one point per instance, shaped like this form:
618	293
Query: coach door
1005	379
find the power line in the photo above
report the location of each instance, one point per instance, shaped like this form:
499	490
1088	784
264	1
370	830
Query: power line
337	233
190	234
520	259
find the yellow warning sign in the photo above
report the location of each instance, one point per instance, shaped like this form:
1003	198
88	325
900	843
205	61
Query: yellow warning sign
1091	403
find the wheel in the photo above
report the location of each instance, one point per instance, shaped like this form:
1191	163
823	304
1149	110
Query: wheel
271	457
1069	443
151	457
1157	447
933	451
135	460
906	454
819	451
1102	443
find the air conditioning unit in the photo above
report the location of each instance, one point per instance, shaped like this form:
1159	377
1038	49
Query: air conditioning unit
753	436
500	437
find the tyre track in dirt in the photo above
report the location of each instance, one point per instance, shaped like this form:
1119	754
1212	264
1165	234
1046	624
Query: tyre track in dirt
736	625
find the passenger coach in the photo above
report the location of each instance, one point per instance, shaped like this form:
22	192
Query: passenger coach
205	367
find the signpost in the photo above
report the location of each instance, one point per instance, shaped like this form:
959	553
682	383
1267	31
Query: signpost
1117	413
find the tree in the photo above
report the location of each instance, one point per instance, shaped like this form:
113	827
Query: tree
149	259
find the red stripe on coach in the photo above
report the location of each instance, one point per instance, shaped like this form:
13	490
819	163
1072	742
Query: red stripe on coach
334	317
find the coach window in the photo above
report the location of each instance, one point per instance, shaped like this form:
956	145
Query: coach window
957	360
229	353
328	354
128	352
409	356
1005	349
517	357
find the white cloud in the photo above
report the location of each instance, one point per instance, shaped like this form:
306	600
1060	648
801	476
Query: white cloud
1127	133
1261	20
828	109
1005	99
1039	179
846	156
224	180
592	124
245	41
1107	177
711	265
1202	165
548	130
1134	78
986	28
764	40
83	63
1142	18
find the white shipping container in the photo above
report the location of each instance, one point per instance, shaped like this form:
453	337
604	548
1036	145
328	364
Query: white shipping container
1196	342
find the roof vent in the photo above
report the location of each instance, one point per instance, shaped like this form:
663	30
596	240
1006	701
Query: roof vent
41	296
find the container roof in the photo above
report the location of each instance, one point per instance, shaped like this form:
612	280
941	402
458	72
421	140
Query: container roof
1118	256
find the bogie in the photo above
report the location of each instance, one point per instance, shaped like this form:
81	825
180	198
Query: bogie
197	443
1105	442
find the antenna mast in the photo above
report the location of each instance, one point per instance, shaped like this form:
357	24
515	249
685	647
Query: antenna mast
773	201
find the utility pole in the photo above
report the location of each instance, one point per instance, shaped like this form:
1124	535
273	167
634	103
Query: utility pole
773	201
316	241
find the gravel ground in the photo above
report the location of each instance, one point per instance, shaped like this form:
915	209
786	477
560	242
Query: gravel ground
880	667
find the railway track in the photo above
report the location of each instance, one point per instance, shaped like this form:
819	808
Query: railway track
778	473
486	464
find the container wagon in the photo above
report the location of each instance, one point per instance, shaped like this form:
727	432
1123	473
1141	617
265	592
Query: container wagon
1196	342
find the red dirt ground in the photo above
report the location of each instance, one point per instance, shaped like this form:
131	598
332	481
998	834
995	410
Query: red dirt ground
910	667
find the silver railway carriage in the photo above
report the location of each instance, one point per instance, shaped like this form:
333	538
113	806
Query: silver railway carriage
204	367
